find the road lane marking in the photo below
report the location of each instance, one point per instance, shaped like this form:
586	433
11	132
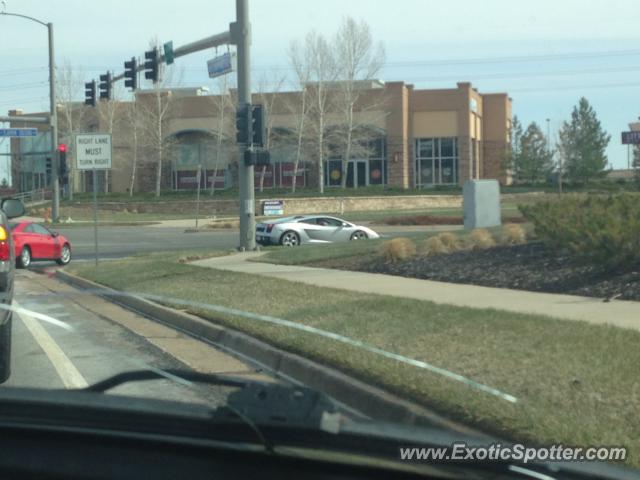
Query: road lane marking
67	371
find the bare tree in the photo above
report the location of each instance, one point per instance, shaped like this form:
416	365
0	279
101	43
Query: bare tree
110	115
155	109
270	101
358	60
156	106
322	73
300	107
135	123
223	103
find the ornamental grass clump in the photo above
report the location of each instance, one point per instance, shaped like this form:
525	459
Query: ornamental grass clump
398	249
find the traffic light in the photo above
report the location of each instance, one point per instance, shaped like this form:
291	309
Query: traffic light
258	126
151	61
47	170
62	160
90	93
131	73
243	127
263	158
105	86
259	158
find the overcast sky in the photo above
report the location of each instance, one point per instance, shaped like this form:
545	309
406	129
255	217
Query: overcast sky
545	54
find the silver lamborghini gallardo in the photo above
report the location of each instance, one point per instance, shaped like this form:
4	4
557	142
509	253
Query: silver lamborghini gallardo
293	231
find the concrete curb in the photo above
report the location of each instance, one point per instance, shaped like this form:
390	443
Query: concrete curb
366	399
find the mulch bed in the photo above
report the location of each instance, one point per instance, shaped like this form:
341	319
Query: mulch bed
522	267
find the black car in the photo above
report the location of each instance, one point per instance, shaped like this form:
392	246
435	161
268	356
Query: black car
9	208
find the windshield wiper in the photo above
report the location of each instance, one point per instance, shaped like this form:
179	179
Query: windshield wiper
144	375
257	404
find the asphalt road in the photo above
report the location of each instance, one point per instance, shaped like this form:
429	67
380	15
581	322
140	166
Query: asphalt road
117	242
105	339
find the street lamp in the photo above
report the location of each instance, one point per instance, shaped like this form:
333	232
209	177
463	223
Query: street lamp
53	117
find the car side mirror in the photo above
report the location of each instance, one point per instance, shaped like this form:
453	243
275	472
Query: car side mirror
55	234
13	207
345	224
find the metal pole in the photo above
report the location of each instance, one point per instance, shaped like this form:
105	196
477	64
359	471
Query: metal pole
95	213
198	179
548	135
55	208
241	33
628	157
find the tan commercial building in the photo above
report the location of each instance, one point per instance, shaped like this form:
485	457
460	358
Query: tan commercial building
408	138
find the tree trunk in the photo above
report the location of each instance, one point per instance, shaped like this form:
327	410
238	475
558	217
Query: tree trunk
321	155
347	152
159	140
70	185
301	125
296	163
134	163
262	172
159	173
215	167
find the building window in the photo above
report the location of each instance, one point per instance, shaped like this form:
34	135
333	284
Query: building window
369	167
436	161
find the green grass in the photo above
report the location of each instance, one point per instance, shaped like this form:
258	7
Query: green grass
576	383
358	252
315	253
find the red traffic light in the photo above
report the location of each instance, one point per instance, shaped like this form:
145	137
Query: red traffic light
62	147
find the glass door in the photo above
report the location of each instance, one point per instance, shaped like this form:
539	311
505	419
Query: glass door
362	174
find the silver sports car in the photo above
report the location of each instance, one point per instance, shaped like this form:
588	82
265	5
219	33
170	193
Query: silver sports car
292	231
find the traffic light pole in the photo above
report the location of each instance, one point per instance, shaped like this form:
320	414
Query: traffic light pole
241	37
55	207
239	34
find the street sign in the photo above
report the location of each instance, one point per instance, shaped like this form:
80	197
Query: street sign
168	53
222	65
630	138
18	132
93	151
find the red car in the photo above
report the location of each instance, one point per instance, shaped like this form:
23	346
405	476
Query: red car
33	241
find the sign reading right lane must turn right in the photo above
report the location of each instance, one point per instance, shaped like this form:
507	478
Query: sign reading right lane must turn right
93	151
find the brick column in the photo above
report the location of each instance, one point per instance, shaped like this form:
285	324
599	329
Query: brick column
398	158
464	133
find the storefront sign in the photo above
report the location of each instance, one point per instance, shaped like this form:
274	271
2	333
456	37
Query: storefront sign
630	138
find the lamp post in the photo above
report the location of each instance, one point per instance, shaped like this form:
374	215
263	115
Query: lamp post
53	117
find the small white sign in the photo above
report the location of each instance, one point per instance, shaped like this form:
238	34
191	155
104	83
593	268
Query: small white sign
93	151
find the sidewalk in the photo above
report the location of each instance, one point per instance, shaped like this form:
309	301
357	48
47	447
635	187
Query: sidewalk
624	314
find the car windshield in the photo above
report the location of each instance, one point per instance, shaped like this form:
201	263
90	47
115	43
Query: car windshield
427	211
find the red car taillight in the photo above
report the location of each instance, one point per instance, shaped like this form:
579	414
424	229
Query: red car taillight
5	254
269	227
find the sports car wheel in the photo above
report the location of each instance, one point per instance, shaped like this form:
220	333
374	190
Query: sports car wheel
359	235
290	239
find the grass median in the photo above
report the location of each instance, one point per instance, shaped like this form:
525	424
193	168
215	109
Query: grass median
576	383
